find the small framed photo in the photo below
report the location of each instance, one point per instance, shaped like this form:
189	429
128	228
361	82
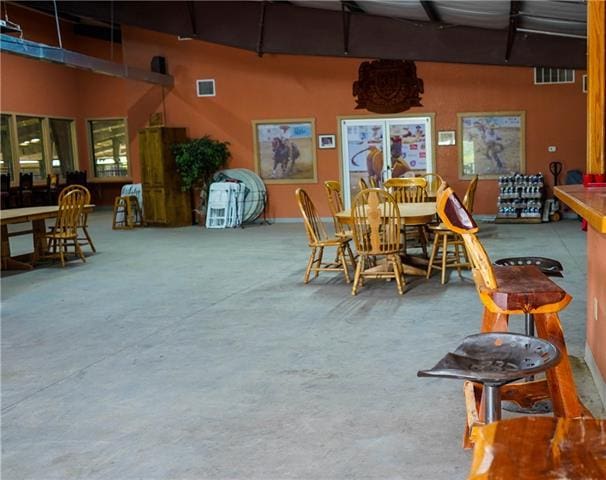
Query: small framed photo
446	137
326	141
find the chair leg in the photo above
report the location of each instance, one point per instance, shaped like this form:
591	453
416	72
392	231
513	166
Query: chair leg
319	261
434	251
397	270
89	239
354	288
444	257
351	256
423	239
309	264
341	255
79	251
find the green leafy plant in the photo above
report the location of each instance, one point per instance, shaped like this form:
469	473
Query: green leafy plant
199	159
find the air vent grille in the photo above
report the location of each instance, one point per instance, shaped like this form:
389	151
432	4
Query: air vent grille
206	88
549	76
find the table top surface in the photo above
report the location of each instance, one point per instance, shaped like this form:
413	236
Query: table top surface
588	202
26	214
407	210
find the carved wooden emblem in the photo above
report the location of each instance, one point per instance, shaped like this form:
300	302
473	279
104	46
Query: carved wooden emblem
388	86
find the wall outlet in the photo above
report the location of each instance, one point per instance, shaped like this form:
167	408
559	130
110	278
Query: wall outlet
595	308
552	148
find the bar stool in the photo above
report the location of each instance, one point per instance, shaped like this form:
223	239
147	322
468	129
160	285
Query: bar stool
127	213
495	359
515	290
453	254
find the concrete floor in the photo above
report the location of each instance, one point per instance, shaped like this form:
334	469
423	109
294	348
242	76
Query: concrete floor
199	354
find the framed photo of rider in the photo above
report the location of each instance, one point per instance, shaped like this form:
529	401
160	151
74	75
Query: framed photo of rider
285	150
491	144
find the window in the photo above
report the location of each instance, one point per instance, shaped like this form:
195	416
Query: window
31	146
6	150
37	145
547	75
62	152
108	139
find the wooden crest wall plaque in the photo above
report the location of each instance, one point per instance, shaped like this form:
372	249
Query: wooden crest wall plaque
388	86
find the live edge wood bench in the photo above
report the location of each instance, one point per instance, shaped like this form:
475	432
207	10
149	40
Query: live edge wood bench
514	290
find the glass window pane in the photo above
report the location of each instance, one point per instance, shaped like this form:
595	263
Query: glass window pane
6	152
62	159
109	147
31	146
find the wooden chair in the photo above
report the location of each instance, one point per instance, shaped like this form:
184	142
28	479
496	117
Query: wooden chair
83	219
470	194
52	189
410	190
5	190
335	204
433	183
454	253
506	291
362	185
127	213
319	239
65	231
26	190
376	233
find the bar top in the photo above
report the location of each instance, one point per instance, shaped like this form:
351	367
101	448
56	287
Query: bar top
589	203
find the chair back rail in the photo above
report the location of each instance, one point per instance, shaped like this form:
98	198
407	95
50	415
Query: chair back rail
407	190
70	210
376	222
362	185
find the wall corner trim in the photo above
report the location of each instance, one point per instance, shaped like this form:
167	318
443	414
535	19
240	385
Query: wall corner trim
595	373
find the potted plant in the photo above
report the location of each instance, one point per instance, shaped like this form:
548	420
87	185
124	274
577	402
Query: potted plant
197	161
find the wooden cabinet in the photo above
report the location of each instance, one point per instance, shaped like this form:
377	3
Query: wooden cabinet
163	201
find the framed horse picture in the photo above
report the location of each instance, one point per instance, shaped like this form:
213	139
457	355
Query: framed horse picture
285	150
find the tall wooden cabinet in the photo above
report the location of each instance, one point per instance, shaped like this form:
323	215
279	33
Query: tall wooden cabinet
163	201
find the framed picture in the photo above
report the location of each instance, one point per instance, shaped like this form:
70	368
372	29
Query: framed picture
326	141
446	137
491	144
285	150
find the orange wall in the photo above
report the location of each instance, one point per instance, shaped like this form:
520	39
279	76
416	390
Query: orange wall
278	87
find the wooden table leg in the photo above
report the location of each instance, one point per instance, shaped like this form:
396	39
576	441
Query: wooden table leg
9	263
38	232
494	322
564	395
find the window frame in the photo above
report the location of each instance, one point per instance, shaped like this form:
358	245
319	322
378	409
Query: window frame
47	150
91	152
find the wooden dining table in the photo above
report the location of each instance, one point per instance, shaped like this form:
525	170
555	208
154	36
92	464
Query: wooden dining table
37	217
411	214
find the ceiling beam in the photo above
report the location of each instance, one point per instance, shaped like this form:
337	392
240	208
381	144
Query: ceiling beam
514	10
295	30
430	11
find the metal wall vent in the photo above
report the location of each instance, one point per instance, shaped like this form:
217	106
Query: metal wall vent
206	88
549	76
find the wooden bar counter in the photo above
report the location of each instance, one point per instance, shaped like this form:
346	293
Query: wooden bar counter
590	203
